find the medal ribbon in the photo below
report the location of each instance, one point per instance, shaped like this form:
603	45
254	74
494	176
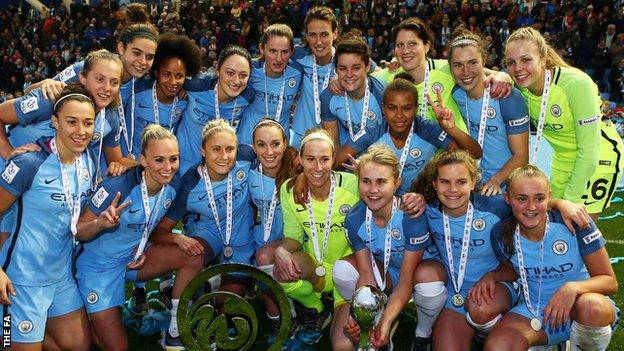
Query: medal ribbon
280	103
542	117
72	204
362	130
213	205
457	283
381	282
523	276
315	88
172	115
327	229
267	221
423	104
149	219
216	104
128	133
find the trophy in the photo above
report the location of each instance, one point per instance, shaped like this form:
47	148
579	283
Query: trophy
367	306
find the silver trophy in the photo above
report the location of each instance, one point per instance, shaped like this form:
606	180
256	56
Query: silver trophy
367	306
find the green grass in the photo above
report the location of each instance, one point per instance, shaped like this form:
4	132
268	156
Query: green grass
613	231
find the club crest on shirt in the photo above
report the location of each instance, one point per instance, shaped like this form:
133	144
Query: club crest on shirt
10	172
240	175
372	115
396	234
437	87
25	327
85	174
99	197
490	112
167	203
478	224
560	247
344	209
292	82
96	137
555	110
92	298
237	110
415	152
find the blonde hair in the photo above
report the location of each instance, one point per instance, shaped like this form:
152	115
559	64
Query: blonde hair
154	132
381	155
545	51
317	134
463	39
215	126
425	180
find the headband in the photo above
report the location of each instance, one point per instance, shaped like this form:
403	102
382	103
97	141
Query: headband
317	136
267	121
68	95
465	41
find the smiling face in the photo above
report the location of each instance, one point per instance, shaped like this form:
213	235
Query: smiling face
170	78
453	186
74	123
525	65
161	160
320	38
467	67
233	76
410	50
137	56
317	158
351	71
269	144
399	108
377	185
219	152
102	81
528	198
276	53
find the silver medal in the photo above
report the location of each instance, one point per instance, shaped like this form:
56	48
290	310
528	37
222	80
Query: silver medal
320	271
228	252
457	300
536	324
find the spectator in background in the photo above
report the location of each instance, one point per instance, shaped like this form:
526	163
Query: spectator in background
610	35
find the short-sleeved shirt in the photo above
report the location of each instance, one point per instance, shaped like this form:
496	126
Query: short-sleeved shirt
427	138
481	258
334	108
118	243
563	254
200	109
303	60
39	250
191	204
267	94
505	117
261	189
297	221
440	79
169	116
407	234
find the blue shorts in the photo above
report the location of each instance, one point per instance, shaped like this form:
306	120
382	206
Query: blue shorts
101	284
258	234
242	253
33	305
558	335
513	288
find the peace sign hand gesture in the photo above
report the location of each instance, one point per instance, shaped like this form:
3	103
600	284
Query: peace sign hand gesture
109	218
445	116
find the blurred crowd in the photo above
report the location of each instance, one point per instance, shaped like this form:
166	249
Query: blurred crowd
588	34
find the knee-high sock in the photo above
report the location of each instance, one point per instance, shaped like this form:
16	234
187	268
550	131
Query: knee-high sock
583	337
302	291
173	325
429	299
345	278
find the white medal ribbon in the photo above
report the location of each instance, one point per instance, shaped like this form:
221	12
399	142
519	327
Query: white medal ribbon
127	132
542	117
463	259
362	131
267	220
523	276
280	102
315	88
72	204
213	205
149	219
320	255
381	282
405	151
172	115
98	171
423	104
216	105
483	120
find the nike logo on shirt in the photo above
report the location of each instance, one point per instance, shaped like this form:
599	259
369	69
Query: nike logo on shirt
48	181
